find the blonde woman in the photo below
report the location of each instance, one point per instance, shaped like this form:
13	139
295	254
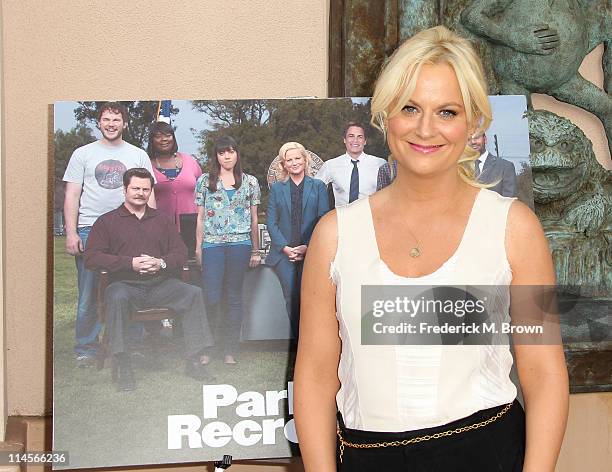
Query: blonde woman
450	408
296	203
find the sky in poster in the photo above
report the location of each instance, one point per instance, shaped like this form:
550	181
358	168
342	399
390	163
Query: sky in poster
509	127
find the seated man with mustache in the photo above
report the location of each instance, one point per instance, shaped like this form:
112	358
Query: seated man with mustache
140	247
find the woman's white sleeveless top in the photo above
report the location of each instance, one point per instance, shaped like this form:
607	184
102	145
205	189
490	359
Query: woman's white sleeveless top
403	388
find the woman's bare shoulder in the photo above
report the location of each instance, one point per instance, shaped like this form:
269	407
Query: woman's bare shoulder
522	222
527	247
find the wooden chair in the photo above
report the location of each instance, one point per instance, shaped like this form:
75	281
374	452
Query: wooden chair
147	315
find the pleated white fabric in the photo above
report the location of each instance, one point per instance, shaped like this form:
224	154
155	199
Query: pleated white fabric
402	388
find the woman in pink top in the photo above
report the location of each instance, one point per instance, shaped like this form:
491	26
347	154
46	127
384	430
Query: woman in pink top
176	173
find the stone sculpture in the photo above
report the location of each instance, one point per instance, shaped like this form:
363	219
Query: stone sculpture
573	199
538	46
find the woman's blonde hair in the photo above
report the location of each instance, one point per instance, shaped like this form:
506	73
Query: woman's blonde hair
398	78
282	172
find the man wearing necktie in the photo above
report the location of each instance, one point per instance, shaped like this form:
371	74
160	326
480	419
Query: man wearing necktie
352	175
491	169
354	185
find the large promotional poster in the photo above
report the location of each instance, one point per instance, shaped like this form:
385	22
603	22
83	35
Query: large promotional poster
175	331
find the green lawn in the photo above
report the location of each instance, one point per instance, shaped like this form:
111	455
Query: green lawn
99	425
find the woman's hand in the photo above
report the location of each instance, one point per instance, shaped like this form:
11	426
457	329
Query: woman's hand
255	259
300	252
290	253
295	254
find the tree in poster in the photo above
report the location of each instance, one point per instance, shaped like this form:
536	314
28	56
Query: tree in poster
141	115
319	124
65	142
261	126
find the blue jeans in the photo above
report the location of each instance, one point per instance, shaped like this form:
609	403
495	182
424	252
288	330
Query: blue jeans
87	324
225	264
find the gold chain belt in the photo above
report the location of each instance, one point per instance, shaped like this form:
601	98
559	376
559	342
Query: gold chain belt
428	437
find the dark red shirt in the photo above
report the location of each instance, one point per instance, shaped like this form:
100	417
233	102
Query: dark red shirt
118	236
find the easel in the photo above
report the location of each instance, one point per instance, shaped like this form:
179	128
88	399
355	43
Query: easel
223	464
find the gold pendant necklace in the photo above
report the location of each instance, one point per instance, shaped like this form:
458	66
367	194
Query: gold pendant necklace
416	250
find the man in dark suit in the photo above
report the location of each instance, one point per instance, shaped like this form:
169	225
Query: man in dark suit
294	207
491	169
386	174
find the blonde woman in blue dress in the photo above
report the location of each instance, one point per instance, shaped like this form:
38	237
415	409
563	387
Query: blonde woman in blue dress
452	408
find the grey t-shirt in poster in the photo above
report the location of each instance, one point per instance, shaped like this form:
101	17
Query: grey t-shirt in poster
99	169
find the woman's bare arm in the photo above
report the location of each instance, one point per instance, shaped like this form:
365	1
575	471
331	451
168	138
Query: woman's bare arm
541	368
200	233
255	257
316	371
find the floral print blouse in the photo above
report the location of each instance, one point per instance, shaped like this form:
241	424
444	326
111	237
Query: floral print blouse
227	221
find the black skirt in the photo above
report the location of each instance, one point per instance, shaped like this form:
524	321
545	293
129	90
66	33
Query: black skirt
496	447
